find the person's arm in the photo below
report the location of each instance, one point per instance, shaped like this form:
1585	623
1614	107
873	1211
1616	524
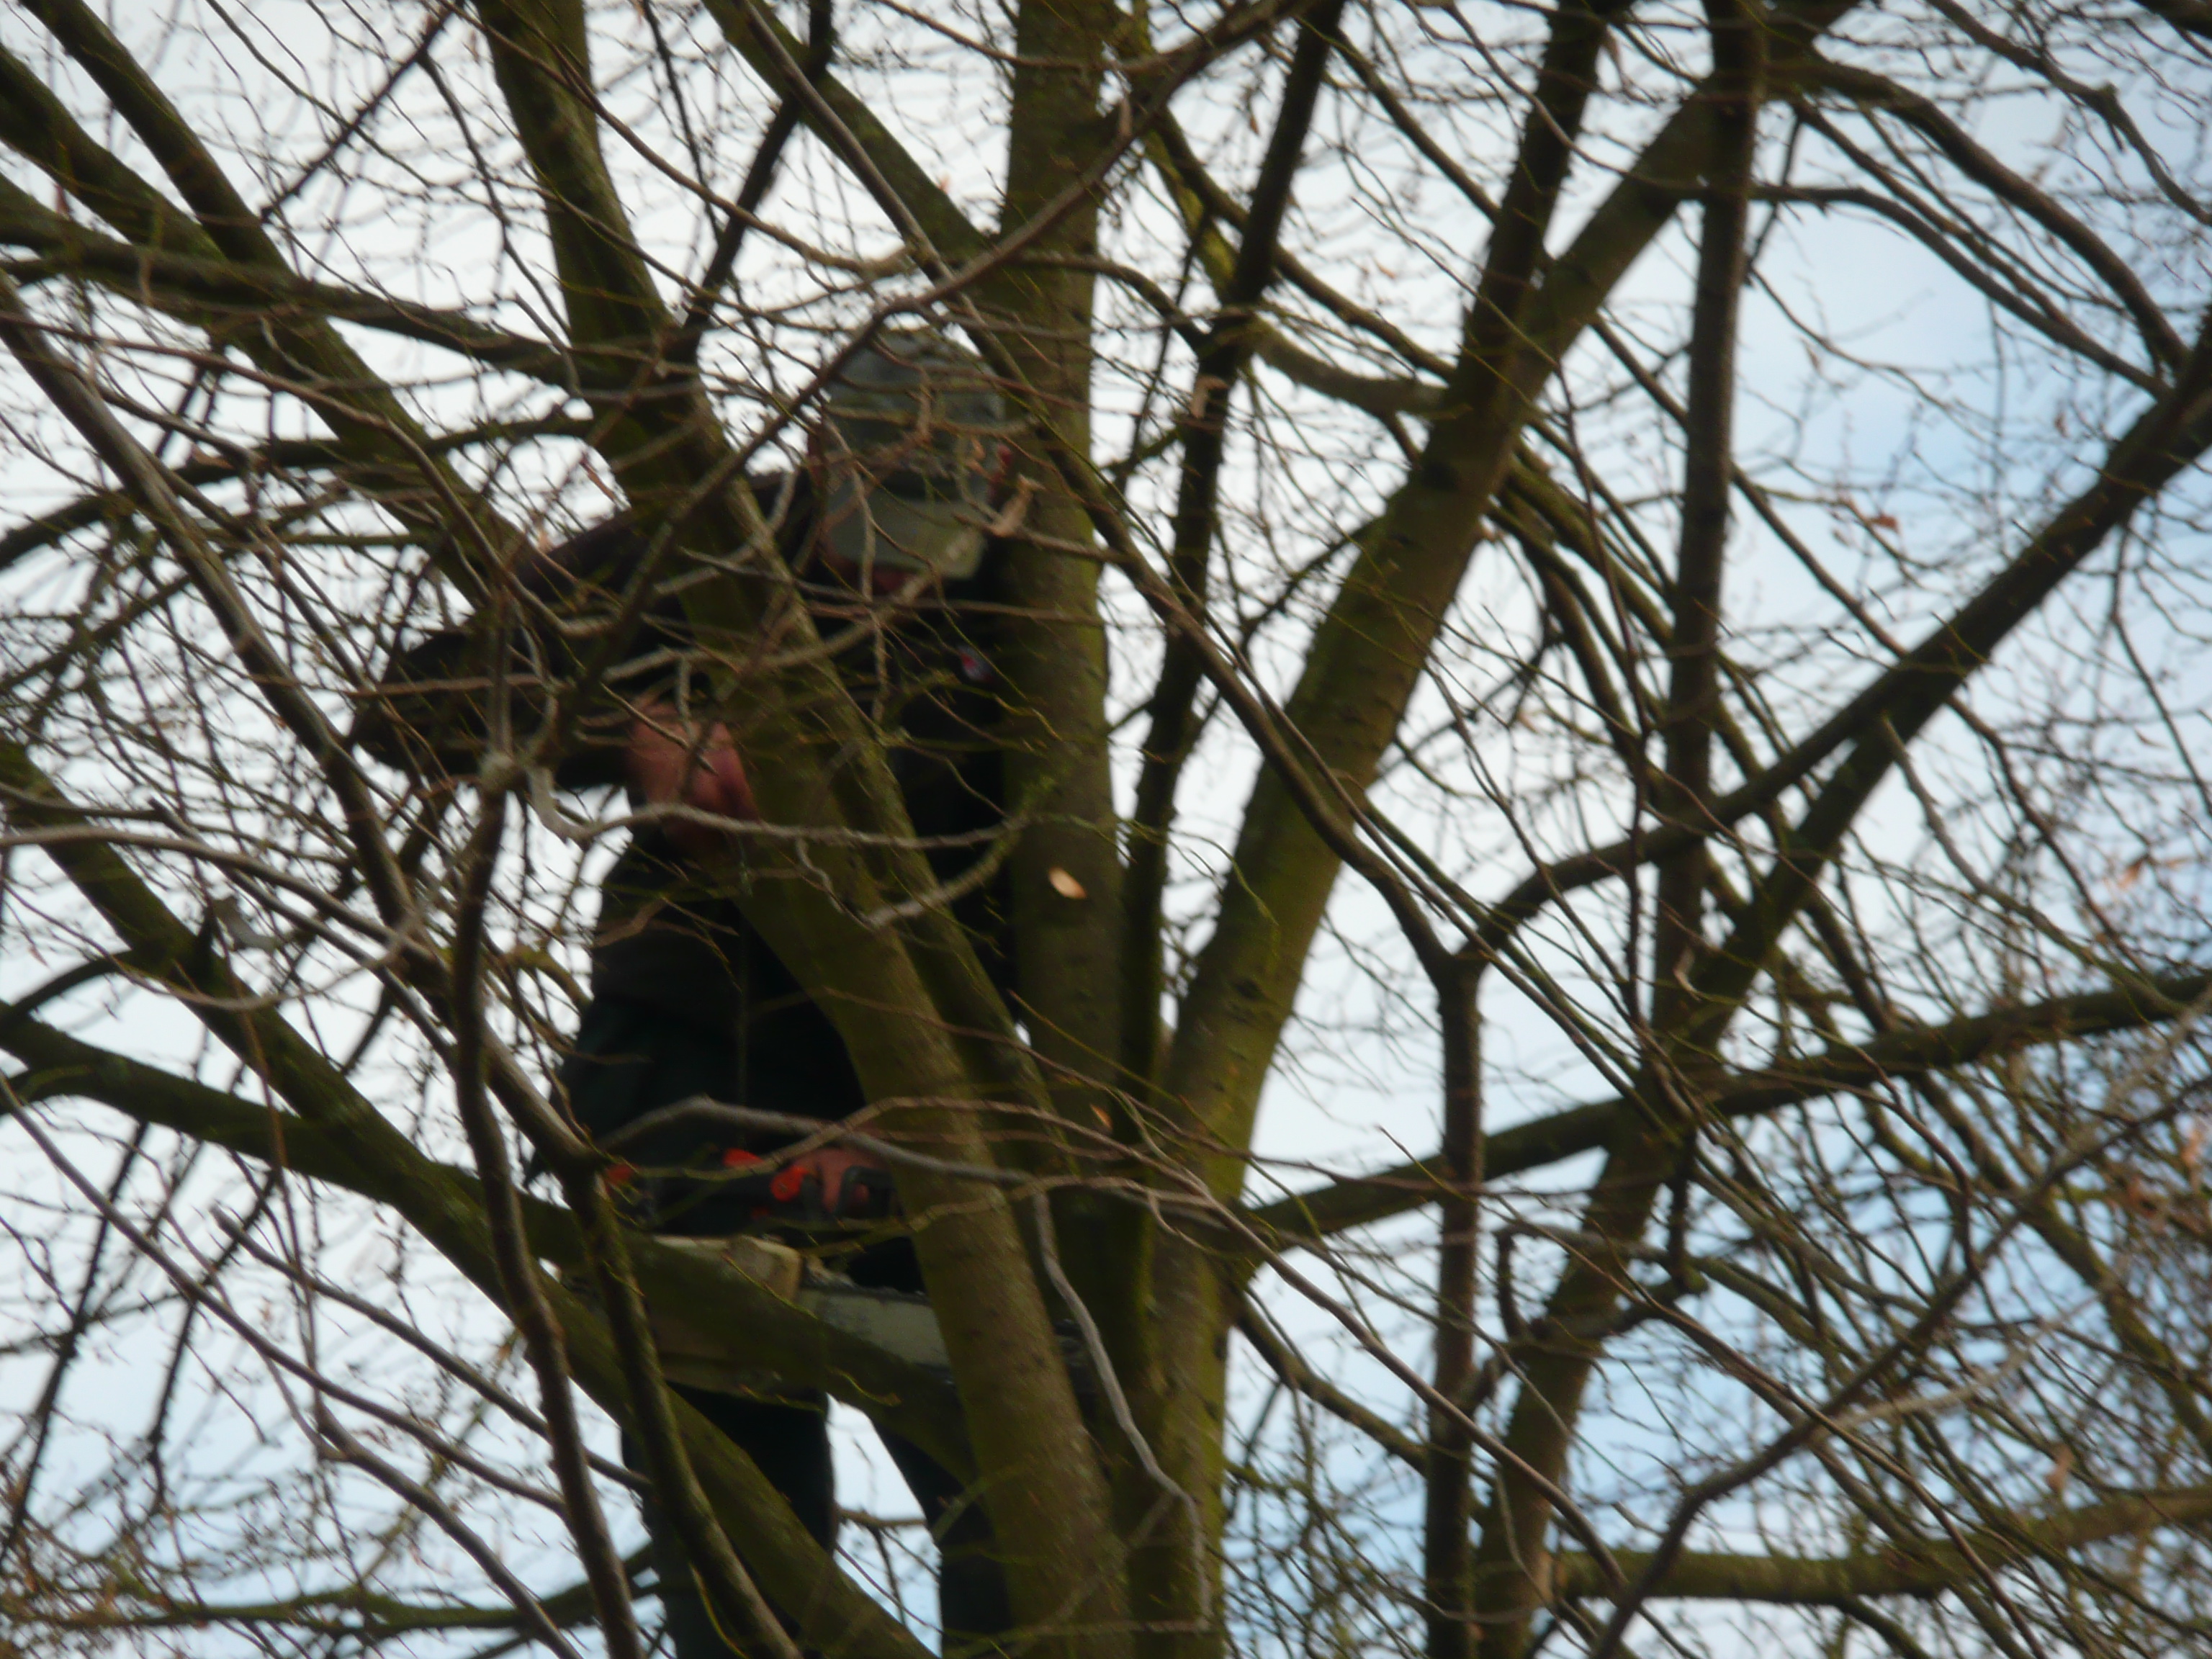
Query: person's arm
430	713
669	761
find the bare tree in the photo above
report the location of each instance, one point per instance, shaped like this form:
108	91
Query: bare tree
1695	514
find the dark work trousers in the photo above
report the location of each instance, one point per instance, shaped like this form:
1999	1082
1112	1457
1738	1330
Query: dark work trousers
630	1060
790	1441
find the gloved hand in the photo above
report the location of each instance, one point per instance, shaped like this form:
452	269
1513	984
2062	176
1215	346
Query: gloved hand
834	1183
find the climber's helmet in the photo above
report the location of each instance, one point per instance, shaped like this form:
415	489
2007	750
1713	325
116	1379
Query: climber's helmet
913	439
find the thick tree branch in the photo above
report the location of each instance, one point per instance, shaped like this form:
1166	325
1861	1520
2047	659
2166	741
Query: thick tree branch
1042	1481
1291	1367
1941	239
518	1272
351	1613
222	295
283	456
2168	437
366	417
2189	16
827	1604
1877	91
1899	1055
1220	365
444	1211
1927	1569
1510	1565
1368	653
1448	1473
749	1327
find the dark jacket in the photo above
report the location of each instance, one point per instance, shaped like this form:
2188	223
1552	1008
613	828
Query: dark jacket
687	997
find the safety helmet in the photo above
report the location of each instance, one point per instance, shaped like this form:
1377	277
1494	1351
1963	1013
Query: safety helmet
910	435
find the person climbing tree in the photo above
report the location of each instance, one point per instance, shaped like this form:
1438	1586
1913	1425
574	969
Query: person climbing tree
887	530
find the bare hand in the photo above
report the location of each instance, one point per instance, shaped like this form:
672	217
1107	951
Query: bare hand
668	763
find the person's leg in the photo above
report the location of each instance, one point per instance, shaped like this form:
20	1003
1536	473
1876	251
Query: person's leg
971	1587
630	1060
791	1445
